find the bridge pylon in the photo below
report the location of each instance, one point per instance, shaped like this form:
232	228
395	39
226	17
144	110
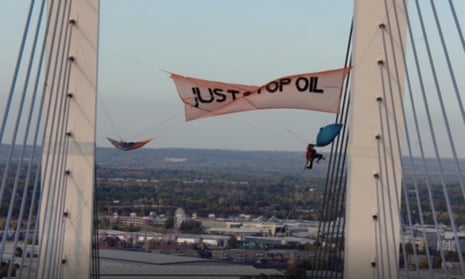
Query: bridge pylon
374	171
68	171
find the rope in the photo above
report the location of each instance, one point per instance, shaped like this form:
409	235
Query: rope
111	120
15	131
52	202
54	157
433	137
337	171
23	150
379	232
6	114
45	169
95	267
385	188
289	213
38	170
159	124
457	24
418	132
65	102
408	141
334	192
144	132
449	63
15	75
419	139
389	132
405	125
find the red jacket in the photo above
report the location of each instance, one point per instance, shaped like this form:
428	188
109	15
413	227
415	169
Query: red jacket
311	152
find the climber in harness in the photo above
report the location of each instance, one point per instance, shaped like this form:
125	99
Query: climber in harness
312	155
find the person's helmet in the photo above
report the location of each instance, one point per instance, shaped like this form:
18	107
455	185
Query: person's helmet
310	145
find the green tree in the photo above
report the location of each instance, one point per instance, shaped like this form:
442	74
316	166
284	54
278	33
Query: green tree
169	223
18	252
191	226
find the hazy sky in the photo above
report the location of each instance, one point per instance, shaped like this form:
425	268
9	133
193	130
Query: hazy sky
241	41
247	42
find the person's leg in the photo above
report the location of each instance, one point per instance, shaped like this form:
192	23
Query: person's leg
309	164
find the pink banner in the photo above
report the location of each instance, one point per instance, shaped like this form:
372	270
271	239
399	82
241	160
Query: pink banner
313	91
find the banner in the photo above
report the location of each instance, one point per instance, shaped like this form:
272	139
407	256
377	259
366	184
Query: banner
313	91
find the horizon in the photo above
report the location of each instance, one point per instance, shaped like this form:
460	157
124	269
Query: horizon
219	42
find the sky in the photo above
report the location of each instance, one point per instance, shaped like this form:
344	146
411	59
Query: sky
241	41
245	42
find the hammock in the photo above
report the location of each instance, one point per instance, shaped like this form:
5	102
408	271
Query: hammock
128	145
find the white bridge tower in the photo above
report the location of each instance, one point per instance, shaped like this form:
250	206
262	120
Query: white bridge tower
68	176
374	172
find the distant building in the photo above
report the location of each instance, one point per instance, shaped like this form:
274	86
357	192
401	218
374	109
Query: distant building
125	264
209	240
278	241
179	217
241	225
449	243
134	220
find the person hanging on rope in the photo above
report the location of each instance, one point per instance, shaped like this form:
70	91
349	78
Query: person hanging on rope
312	155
